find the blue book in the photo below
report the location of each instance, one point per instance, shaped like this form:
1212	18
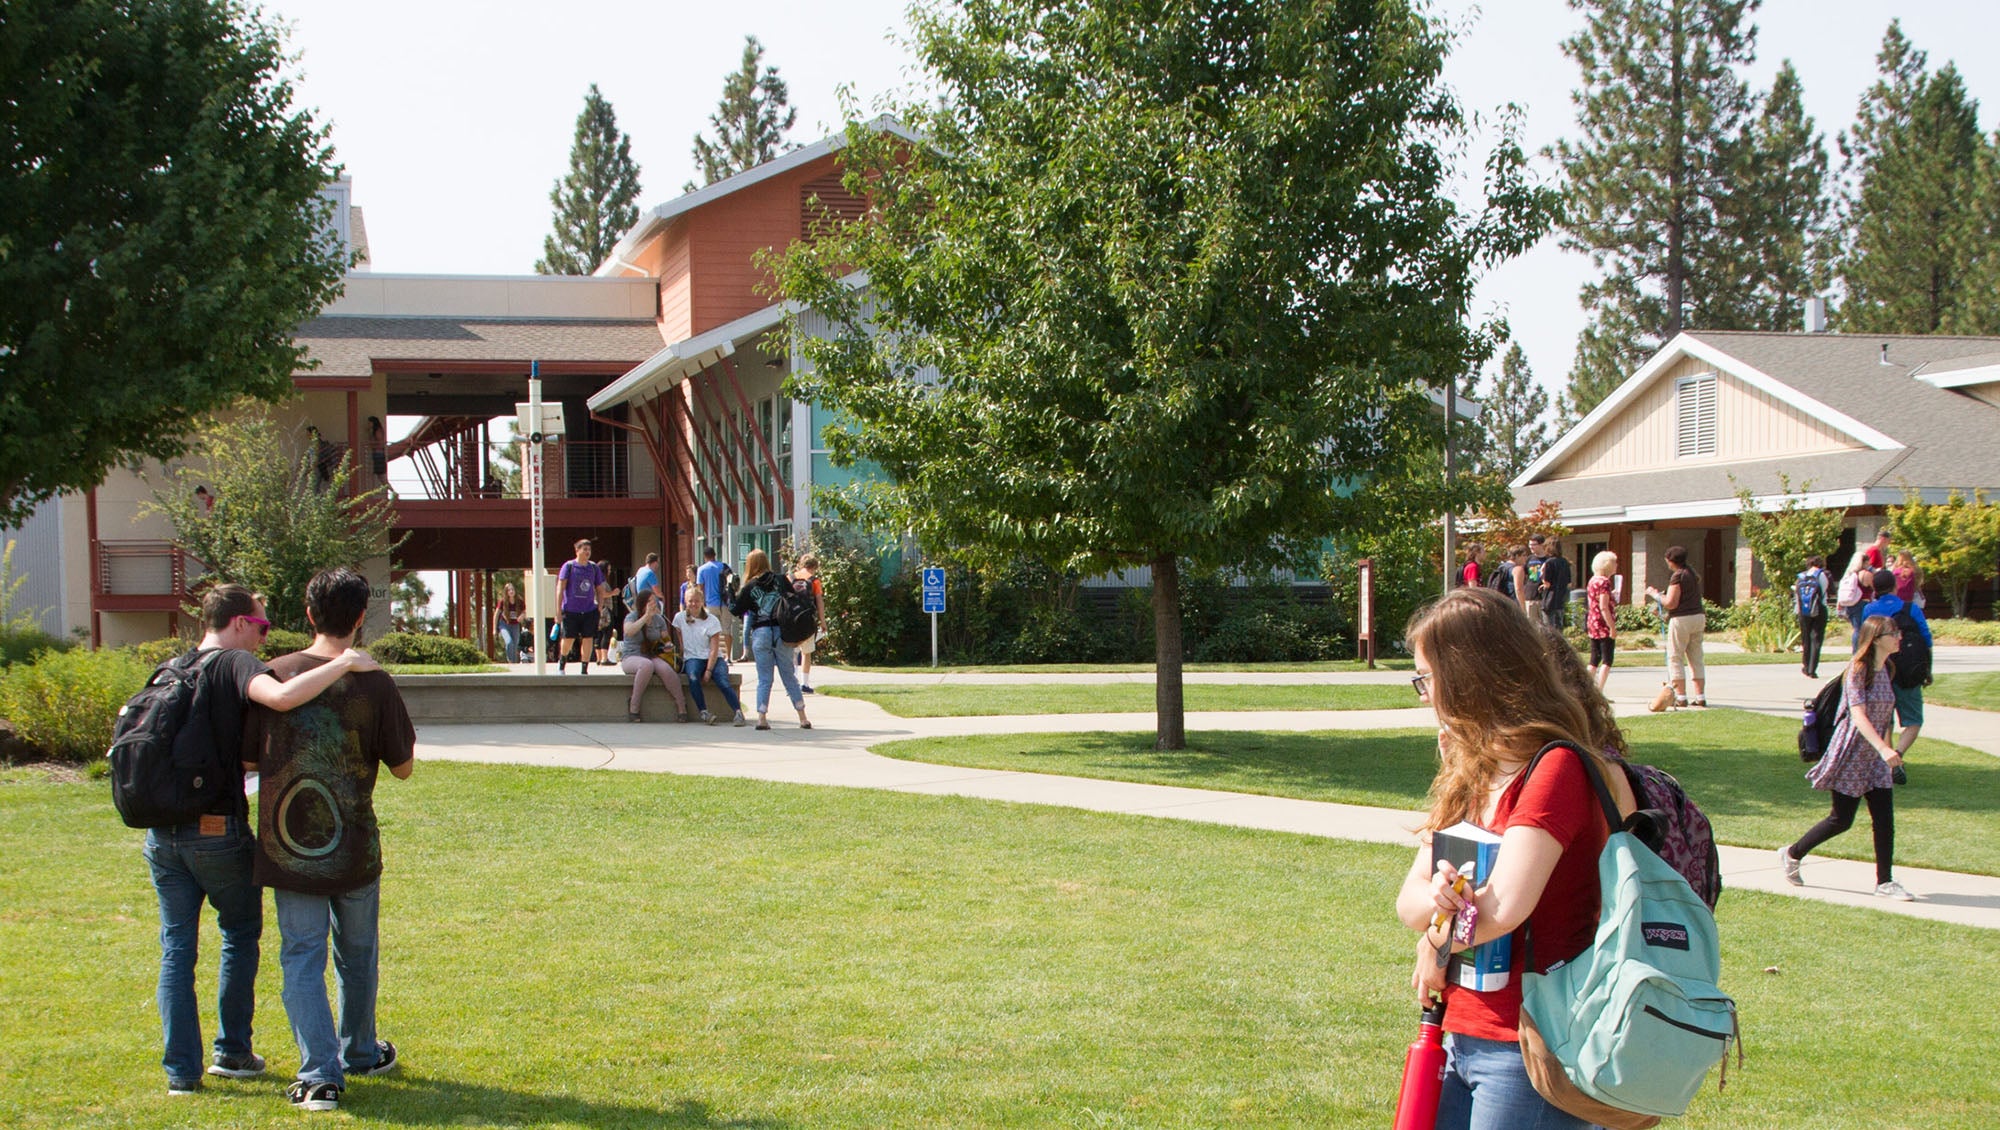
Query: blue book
1472	849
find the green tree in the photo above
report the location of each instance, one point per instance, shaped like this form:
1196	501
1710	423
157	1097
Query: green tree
1163	276
1660	104
1955	542
597	201
410	604
1783	537
750	122
1513	418
1769	251
1910	215
160	231
272	525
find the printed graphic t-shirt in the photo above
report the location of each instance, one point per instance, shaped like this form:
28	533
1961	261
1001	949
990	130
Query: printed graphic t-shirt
316	830
579	586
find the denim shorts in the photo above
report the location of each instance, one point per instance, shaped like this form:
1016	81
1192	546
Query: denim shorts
1909	706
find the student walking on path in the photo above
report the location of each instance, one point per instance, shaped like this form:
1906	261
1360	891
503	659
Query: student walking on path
1500	697
583	592
1600	616
704	651
1810	600
757	604
1859	762
507	613
808	573
1910	670
1685	623
647	650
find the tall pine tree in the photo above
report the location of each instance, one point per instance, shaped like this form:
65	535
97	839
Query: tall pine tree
1696	197
750	122
1915	214
598	201
1513	418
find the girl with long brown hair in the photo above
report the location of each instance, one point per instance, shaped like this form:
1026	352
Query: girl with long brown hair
1859	763
1501	696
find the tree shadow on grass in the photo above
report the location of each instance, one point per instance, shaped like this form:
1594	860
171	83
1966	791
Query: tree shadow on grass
410	1099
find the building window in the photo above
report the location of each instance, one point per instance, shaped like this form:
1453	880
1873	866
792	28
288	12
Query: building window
1694	416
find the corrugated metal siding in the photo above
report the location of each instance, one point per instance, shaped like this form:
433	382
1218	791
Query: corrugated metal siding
1749	425
38	562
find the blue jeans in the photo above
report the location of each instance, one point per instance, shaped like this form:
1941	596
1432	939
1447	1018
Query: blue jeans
188	867
327	1054
773	654
511	634
695	668
1486	1088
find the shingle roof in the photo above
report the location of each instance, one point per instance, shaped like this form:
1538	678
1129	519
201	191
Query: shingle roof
348	346
1948	439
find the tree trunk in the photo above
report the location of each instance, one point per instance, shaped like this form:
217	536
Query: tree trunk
1167	654
1956	592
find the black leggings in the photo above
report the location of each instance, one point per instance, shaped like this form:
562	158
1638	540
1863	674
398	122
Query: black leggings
1812	634
1881	814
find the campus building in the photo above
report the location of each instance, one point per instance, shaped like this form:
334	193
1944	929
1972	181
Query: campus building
1852	421
668	363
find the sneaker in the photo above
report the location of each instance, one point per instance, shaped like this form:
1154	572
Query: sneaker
249	1065
1893	890
1699	701
183	1086
707	719
1790	867
805	688
1680	702
314	1096
740	720
385	1060
633	716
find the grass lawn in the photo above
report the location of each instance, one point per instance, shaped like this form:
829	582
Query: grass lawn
1741	768
598	950
443	668
931	700
1399	663
1974	692
1829	658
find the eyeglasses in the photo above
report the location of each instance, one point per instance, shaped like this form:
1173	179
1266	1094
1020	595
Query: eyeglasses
263	625
1422	683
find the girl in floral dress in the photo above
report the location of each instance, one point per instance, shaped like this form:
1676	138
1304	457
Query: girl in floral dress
1859	760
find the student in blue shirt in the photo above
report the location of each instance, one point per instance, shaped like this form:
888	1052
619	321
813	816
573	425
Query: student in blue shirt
1909	699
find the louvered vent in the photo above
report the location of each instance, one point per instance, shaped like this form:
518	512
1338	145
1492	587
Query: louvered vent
1694	416
827	201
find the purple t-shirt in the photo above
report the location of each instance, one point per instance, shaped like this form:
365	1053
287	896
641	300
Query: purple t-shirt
579	586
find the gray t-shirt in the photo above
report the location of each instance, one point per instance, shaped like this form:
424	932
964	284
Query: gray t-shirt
650	630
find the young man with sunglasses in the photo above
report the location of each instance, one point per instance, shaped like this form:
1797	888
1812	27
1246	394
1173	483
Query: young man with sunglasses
212	858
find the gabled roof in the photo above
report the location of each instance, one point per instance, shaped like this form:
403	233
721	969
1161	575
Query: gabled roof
660	217
1909	428
349	346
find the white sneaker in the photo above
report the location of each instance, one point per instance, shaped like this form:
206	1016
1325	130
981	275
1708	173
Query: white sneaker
1893	890
740	720
1790	867
707	718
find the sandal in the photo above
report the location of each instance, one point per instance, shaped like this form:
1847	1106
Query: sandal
763	725
805	725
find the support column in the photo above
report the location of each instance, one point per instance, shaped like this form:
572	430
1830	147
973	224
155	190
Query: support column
1746	567
1645	560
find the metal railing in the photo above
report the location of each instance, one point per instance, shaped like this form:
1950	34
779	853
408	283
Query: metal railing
570	469
142	568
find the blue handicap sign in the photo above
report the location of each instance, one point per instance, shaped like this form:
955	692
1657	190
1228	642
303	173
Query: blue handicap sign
933	590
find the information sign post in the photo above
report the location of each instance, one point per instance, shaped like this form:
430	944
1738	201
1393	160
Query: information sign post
537	423
933	603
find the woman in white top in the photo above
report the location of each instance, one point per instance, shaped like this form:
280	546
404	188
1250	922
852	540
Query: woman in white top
646	650
704	646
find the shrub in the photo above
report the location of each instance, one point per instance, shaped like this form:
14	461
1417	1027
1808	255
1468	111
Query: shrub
1636	618
155	652
1768	621
408	647
19	644
1974	633
64	702
283	641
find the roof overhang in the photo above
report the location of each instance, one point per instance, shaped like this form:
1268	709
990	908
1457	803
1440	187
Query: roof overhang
1960	378
683	359
1843	499
1687	345
658	219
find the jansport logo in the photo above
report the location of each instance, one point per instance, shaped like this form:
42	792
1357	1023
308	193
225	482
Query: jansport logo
1672	935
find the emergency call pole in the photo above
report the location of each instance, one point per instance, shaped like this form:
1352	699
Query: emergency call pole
537	423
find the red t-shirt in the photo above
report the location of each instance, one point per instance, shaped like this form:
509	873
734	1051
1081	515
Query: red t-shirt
1873	556
1469	576
1559	801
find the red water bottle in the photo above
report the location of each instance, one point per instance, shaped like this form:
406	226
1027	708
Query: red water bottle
1423	1073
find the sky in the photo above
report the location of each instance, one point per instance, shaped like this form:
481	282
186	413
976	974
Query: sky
454	120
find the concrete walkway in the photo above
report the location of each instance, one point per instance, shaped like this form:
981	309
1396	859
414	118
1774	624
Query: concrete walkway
837	752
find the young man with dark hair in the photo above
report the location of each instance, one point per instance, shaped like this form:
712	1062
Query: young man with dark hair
210	859
318	847
1557	580
583	591
1910	669
713	577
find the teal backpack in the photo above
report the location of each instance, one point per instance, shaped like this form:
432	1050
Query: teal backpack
1624	1033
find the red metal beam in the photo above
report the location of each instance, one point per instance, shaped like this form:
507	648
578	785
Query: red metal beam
734	447
770	461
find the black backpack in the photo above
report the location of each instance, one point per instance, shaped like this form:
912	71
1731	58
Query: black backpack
1821	715
798	614
1911	666
165	769
1501	579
